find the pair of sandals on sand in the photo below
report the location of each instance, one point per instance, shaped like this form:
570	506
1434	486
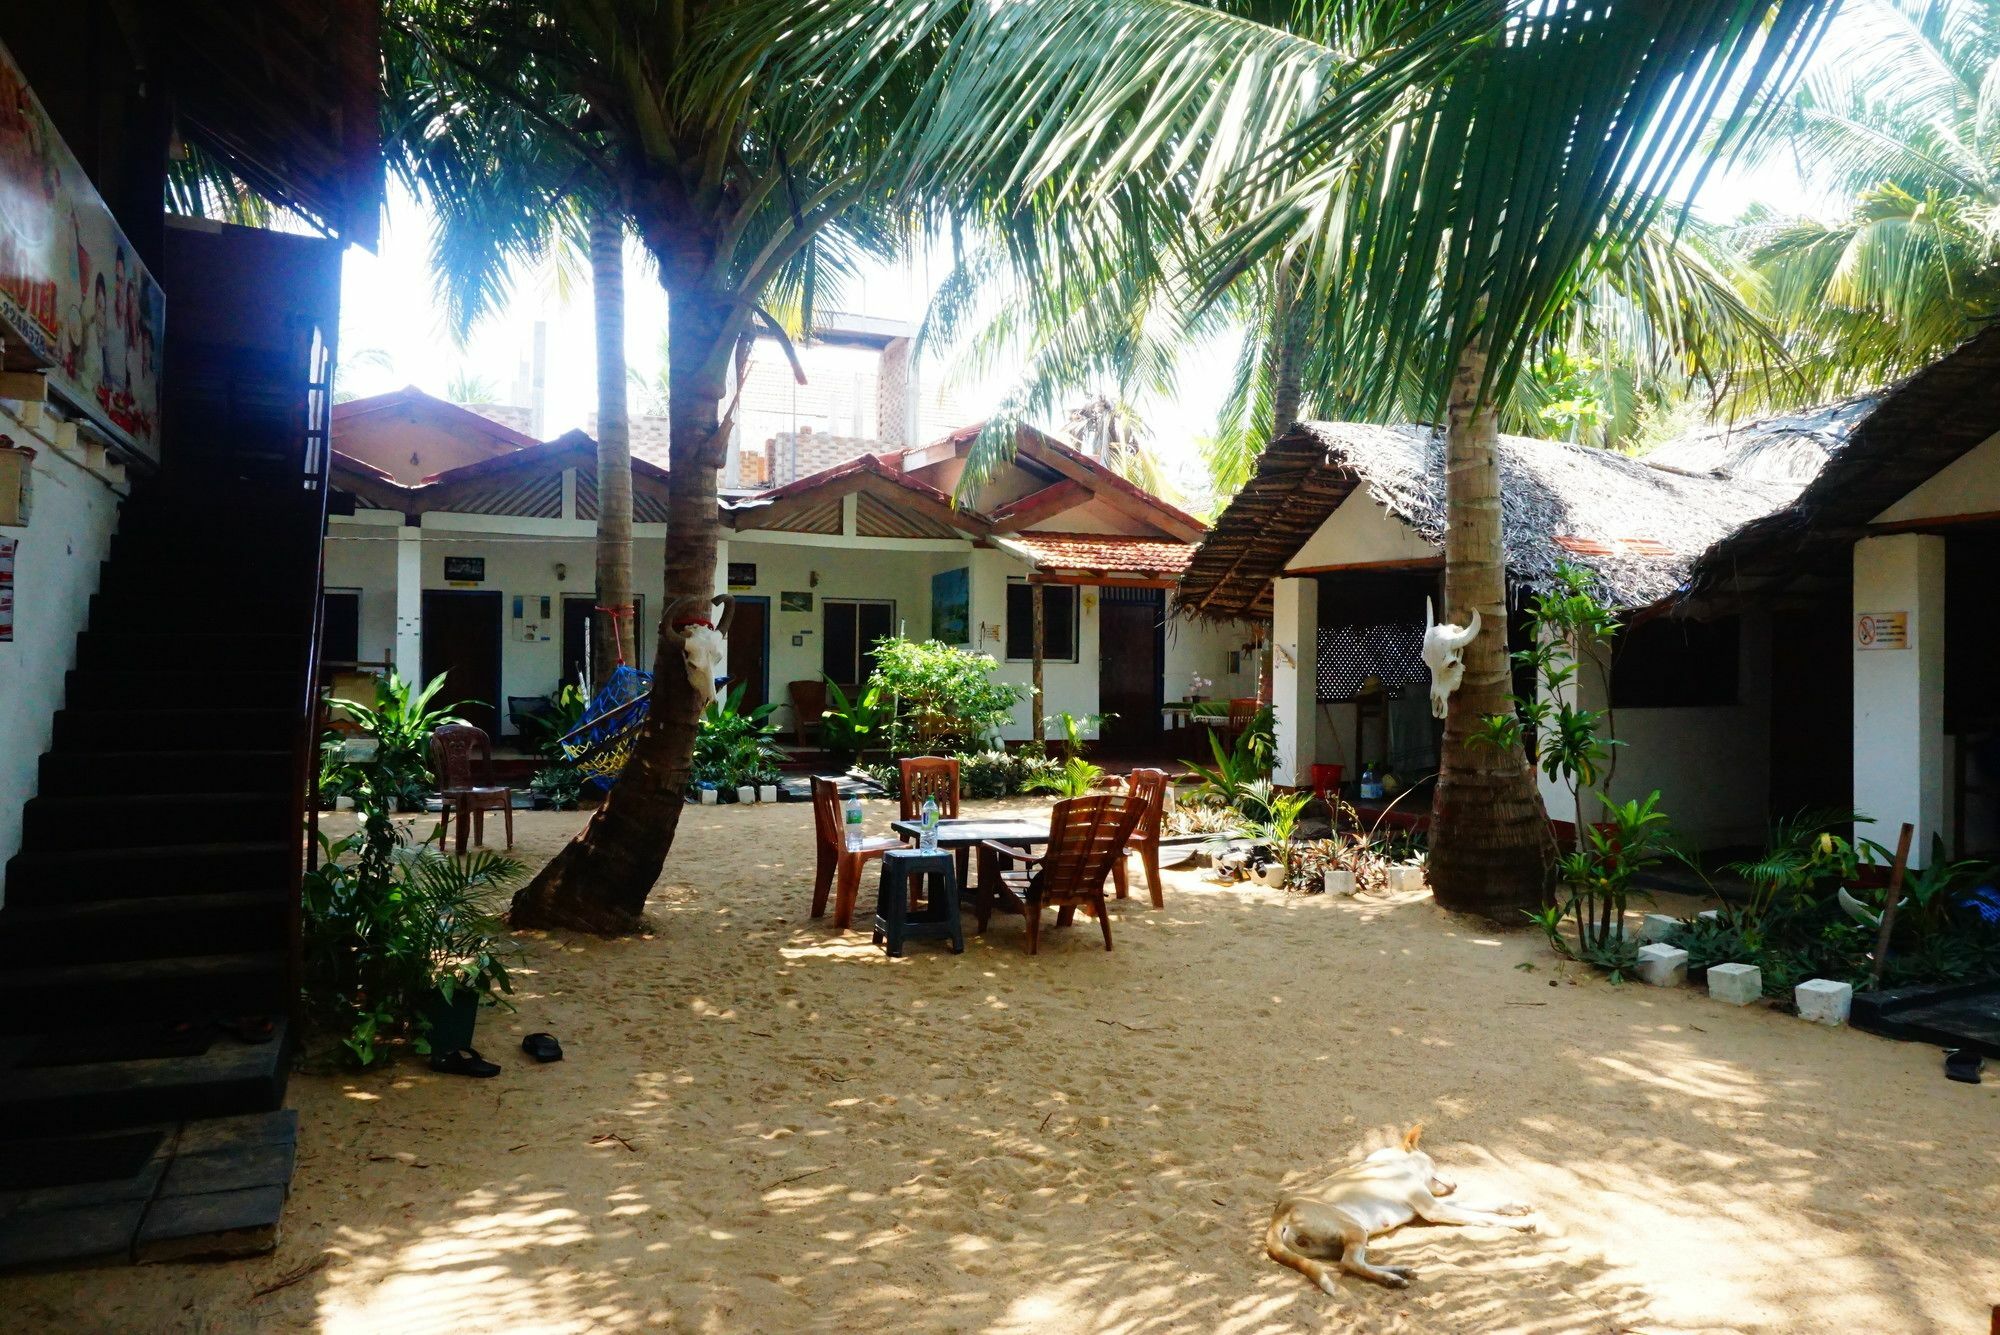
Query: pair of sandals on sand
467	1061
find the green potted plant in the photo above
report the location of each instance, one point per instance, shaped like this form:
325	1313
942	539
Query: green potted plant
850	727
400	723
400	941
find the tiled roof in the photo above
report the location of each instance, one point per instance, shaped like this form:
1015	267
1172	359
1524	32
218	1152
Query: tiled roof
1102	553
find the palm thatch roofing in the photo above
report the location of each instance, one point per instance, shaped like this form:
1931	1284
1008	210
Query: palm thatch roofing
1907	434
1636	526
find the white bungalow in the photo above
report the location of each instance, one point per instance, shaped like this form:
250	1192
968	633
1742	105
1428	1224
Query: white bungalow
459	545
1787	584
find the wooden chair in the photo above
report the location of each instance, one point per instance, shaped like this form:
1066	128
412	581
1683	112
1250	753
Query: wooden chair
1242	713
1148	786
1086	839
932	776
808	704
839	867
451	757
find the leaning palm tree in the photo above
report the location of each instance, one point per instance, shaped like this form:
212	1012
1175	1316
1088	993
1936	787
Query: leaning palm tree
1900	124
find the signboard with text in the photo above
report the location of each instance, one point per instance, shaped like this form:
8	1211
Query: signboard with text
73	293
1882	630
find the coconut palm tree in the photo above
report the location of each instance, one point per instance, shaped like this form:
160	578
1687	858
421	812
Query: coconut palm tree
611	628
1900	123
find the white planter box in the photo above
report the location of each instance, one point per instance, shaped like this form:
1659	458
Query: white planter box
767	792
709	797
1337	881
746	793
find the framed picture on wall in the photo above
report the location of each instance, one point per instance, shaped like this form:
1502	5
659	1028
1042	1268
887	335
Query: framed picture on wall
951	606
795	600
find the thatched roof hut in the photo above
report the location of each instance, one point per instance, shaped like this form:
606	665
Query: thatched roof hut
1905	435
1638	526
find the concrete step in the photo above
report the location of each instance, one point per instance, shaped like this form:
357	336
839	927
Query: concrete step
106	773
190	651
141	611
119	991
159	869
176	729
145	927
122	820
86	691
211	1187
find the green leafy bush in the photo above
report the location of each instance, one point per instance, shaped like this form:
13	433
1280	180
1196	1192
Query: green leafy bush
981	774
400	723
850	727
387	926
561	785
946	701
1075	779
734	746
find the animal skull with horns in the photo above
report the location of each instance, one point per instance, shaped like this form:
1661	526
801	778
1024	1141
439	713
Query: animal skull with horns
1444	654
704	644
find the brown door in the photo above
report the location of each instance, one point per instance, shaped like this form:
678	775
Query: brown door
1131	661
1812	710
462	639
750	650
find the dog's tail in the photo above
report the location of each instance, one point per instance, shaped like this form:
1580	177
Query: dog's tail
1278	1246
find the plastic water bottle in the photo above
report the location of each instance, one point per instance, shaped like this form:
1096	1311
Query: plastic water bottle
928	840
853	823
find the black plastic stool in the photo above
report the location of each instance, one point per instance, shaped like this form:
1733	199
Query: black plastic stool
895	923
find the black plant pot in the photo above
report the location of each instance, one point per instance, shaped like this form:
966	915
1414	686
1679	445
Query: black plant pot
451	1022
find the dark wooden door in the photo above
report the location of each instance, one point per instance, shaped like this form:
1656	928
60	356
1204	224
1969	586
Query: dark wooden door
462	639
1131	667
750	650
1812	710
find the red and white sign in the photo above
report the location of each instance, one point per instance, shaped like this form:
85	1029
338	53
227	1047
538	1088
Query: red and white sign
1882	630
72	290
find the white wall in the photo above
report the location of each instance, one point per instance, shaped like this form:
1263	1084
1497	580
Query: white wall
1360	531
1899	752
72	517
1969	486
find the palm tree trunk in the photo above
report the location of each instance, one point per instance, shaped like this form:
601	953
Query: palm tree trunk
599	883
1288	350
612	631
1490	847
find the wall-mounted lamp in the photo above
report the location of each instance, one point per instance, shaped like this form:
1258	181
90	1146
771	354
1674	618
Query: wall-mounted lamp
812	579
562	572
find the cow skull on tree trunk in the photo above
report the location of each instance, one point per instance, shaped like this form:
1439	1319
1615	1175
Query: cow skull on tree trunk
704	644
1444	654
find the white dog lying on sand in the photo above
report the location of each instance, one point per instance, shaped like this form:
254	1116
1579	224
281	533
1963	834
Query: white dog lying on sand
1386	1190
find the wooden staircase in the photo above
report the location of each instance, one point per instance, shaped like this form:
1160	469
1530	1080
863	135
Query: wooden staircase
149	933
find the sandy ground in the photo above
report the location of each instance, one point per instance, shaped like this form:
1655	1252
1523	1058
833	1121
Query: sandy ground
764	1127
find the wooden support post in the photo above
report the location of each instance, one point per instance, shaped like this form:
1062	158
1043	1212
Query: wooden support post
1896	872
1036	705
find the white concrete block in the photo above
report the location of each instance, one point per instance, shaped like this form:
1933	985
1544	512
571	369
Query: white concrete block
1710	915
1657	927
1338	881
1662	965
1406	878
1737	984
1823	1001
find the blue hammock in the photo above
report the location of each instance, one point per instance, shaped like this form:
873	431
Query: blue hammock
601	742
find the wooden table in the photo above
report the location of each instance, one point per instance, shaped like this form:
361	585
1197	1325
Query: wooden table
971	832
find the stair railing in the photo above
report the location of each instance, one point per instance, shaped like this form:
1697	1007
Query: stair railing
315	458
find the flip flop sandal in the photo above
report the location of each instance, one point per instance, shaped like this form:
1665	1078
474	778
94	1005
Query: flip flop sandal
1963	1065
463	1061
542	1047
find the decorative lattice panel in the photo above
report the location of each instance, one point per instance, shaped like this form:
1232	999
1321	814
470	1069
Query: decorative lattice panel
1350	655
